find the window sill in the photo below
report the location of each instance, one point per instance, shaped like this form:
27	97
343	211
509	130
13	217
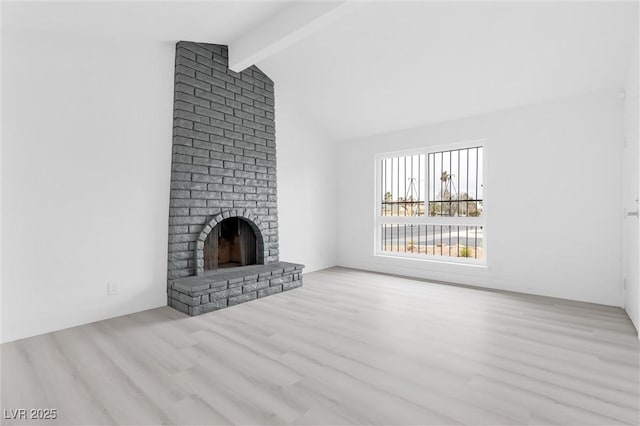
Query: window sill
435	261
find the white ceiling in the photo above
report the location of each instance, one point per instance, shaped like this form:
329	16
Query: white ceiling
391	65
388	65
206	21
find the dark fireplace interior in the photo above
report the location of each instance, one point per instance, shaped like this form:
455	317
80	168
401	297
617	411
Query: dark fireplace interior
231	243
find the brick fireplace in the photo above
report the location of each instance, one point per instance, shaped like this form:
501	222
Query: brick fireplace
223	216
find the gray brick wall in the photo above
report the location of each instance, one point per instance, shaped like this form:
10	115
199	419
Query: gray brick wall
224	151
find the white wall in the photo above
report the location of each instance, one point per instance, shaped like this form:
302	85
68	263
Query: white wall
1	181
306	187
553	196
630	185
85	178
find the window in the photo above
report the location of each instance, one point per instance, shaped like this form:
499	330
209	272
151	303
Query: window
430	203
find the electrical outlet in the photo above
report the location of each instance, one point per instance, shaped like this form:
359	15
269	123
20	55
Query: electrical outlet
112	289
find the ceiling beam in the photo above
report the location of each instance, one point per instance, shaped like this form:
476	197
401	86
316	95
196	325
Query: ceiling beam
294	23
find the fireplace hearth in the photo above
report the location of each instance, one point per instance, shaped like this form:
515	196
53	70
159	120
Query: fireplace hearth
223	216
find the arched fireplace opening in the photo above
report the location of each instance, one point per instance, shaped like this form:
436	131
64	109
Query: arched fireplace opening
230	243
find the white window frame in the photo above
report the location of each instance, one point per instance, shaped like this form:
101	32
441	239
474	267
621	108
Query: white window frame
379	219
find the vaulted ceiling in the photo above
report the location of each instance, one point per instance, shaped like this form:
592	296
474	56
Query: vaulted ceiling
383	66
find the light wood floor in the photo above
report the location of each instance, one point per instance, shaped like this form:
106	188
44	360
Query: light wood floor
350	347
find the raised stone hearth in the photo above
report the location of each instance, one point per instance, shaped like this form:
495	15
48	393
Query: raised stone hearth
223	216
228	287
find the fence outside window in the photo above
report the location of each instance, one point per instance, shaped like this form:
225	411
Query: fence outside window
431	204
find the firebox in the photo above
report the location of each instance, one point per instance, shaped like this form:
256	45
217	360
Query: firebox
231	243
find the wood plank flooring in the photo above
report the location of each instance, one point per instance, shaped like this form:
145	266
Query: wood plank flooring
350	347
